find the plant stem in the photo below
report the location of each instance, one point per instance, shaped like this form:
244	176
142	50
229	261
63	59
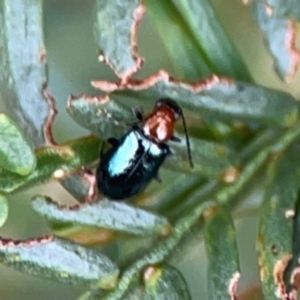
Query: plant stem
225	195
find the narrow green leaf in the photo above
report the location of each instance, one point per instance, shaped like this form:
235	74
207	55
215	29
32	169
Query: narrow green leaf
274	241
104	214
60	260
16	153
209	158
220	98
280	36
3	209
135	292
165	283
101	115
116	34
80	185
211	37
185	54
222	252
23	68
106	118
54	163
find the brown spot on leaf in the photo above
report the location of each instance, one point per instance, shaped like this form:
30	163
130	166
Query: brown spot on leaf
295	278
274	249
42	55
231	175
278	275
100	99
251	292
149	272
26	243
210	212
125	75
90	179
50	202
138	15
233	285
290	44
47	127
161	75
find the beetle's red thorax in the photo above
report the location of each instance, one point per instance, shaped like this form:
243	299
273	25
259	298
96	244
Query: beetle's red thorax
159	124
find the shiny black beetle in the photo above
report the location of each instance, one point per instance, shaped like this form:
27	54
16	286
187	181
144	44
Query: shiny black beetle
130	164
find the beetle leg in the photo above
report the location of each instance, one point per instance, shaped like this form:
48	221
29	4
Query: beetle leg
175	139
92	165
138	113
157	178
113	141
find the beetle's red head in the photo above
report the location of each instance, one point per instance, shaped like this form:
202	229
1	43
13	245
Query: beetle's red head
171	105
159	124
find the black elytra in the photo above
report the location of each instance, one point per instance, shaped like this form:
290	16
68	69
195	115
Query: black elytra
134	160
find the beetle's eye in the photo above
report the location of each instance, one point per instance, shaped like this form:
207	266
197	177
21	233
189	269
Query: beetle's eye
158	103
177	114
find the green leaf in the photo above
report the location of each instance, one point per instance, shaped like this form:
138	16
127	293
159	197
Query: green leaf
165	283
54	163
209	158
222	252
211	37
168	202
220	98
3	209
280	36
101	115
116	35
274	241
23	68
187	57
80	185
285	9
106	118
104	214
60	260
135	292
16	153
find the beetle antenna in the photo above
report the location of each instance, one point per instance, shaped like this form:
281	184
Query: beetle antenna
187	141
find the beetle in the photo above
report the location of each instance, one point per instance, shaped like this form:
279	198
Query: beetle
134	160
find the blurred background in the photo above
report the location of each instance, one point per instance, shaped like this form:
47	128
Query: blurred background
72	64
